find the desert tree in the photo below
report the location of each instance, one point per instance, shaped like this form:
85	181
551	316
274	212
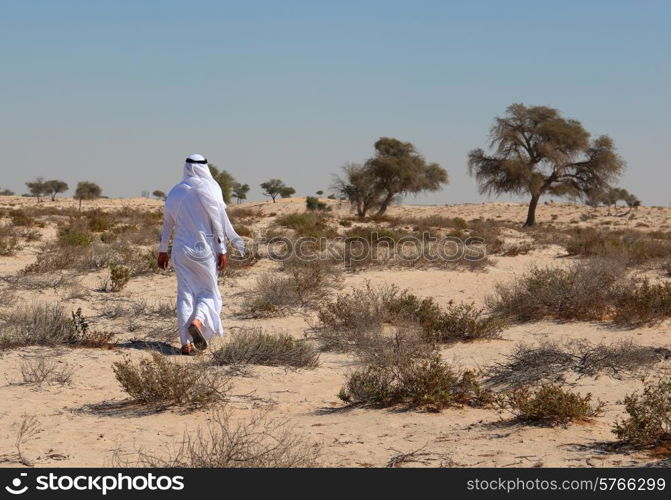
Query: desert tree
6	192
275	188
240	191
319	193
54	187
611	196
225	181
534	150
158	194
359	187
399	170
87	191
37	188
396	170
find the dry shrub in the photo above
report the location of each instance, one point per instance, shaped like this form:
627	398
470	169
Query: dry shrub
44	370
641	302
549	404
528	364
119	277
158	381
9	242
308	225
551	361
416	382
254	346
631	246
352	317
583	291
302	284
258	442
649	420
461	322
47	324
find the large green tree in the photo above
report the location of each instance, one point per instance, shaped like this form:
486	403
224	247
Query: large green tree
536	151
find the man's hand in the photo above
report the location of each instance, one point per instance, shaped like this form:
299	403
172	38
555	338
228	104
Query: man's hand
222	261
163	260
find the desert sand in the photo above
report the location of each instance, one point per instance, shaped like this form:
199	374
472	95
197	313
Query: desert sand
77	429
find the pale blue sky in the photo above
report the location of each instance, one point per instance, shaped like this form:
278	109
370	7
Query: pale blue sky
120	92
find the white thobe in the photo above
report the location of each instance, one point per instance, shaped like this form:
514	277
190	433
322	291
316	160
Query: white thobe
199	237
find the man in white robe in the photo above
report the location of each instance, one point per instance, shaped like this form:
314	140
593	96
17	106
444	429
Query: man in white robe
196	211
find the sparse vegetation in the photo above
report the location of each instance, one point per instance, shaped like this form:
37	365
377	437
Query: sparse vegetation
551	362
258	442
45	370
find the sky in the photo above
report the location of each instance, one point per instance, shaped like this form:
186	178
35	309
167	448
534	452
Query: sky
119	92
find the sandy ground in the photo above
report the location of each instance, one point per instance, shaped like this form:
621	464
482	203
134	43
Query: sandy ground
76	431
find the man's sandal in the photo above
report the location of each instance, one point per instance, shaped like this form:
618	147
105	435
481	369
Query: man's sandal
188	349
198	339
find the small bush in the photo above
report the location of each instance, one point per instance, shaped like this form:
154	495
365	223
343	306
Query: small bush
119	277
20	218
642	302
649	421
47	324
342	322
43	370
253	346
257	442
74	238
422	382
9	242
313	203
162	382
549	404
584	291
302	284
98	221
307	225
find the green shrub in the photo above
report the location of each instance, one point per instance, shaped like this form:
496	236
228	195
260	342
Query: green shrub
162	382
313	203
119	277
549	404
307	225
422	382
253	346
649	420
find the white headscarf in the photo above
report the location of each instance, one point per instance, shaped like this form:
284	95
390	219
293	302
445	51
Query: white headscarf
197	174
